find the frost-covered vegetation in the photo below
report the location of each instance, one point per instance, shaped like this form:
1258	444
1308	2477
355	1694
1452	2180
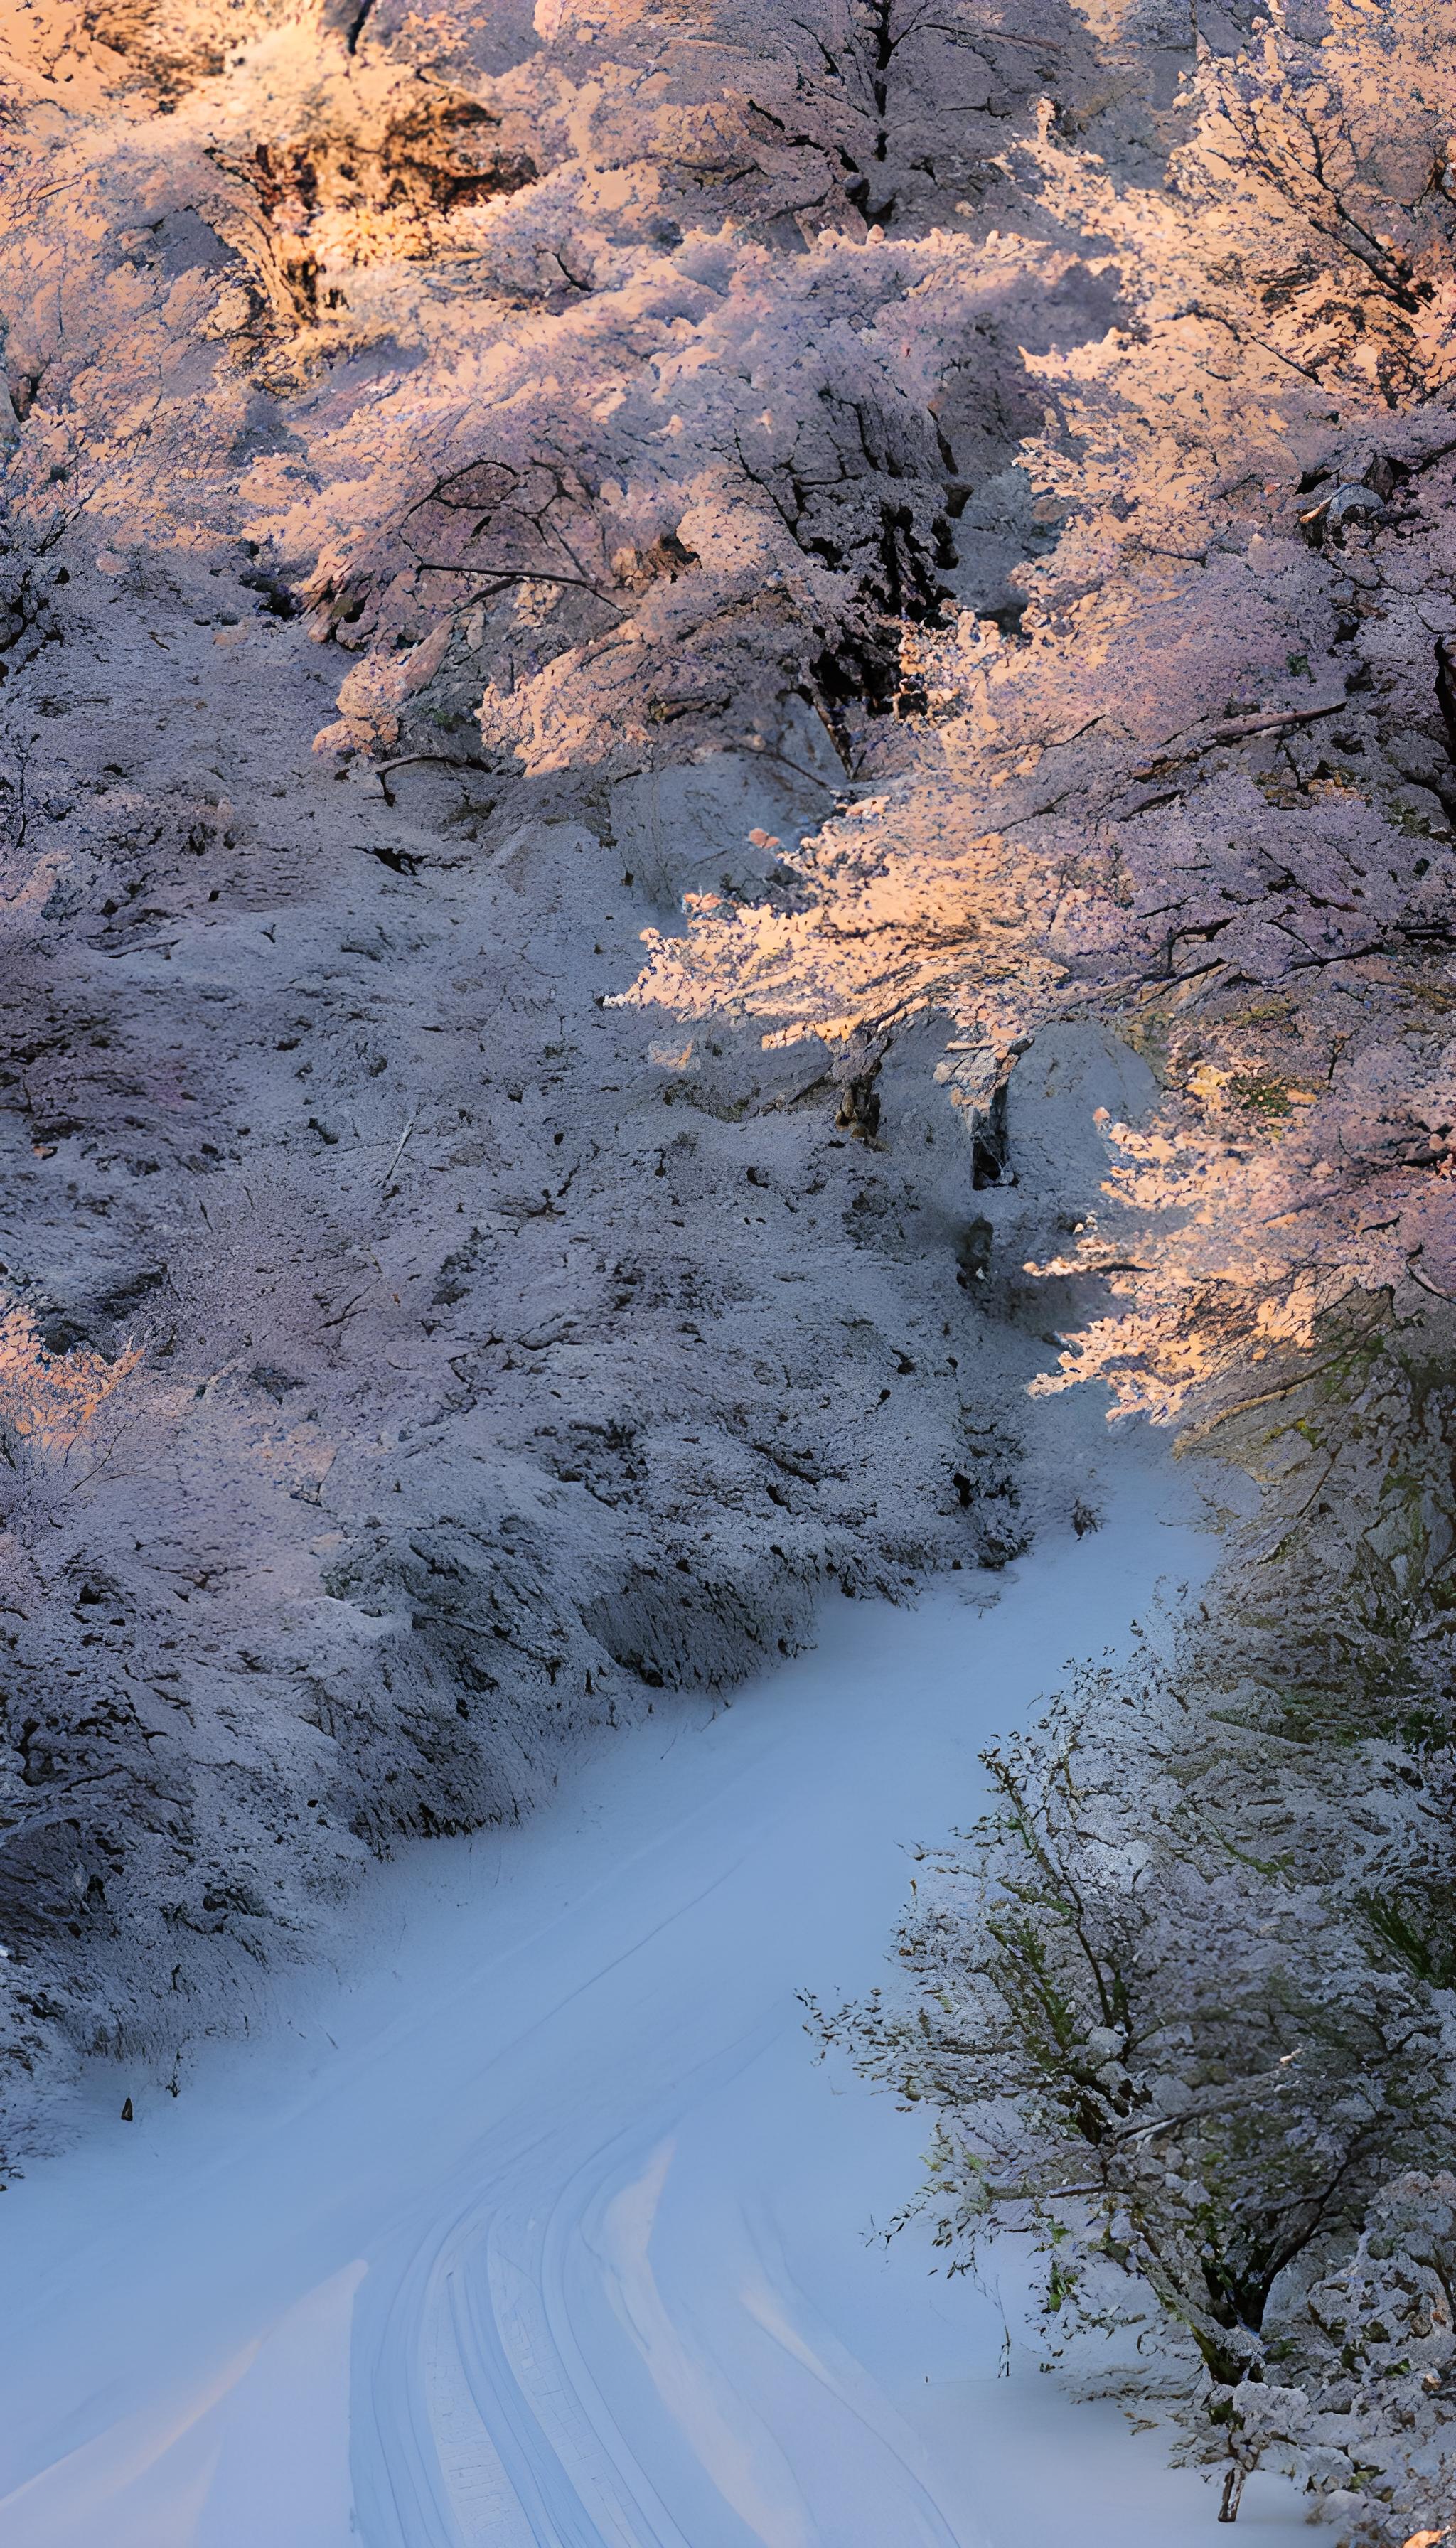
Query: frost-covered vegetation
1182	2005
470	478
1181	2002
941	522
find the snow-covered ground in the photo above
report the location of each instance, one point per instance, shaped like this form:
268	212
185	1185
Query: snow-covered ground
544	2225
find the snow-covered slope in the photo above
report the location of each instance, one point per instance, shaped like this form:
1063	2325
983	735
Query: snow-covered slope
545	2226
938	519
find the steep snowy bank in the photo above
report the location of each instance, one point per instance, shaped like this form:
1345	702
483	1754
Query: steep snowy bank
545	2226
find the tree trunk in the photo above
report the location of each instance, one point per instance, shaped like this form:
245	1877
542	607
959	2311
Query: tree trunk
1232	2489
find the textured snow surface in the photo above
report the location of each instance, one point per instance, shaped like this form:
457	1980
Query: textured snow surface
544	2225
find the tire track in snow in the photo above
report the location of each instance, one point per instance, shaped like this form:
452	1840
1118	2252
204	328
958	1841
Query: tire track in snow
489	2422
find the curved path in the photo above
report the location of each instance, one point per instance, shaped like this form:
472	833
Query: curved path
544	2230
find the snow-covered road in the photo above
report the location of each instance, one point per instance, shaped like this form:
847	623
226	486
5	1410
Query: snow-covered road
545	2227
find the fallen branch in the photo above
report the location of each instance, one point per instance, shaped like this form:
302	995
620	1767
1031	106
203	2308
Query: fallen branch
1274	721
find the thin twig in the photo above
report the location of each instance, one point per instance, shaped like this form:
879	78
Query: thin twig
399	1154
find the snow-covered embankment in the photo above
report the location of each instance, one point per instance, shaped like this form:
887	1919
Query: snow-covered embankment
544	2226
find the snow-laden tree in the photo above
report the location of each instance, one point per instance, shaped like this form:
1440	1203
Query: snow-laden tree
1179	2005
